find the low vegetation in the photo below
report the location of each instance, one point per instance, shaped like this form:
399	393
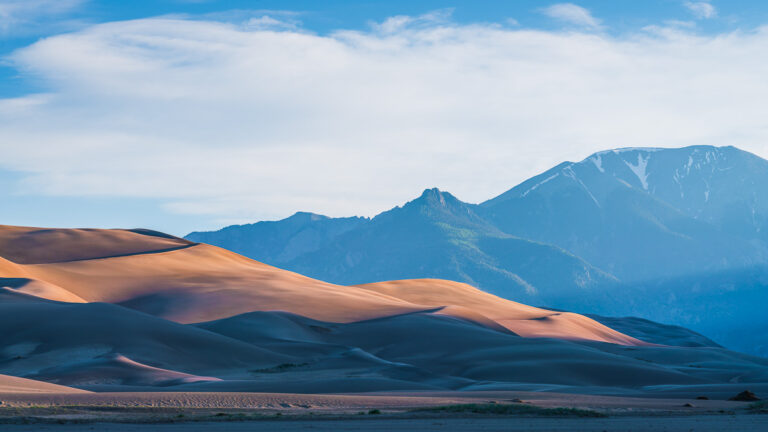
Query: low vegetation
759	407
512	409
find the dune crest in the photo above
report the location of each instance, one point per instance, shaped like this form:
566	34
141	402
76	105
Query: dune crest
186	282
466	301
40	289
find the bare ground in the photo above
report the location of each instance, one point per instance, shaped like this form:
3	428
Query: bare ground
126	412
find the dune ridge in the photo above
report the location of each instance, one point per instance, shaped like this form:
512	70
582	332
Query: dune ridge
185	282
466	301
156	313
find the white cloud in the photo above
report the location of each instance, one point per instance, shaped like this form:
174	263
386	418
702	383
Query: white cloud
572	14
267	22
244	124
701	9
402	22
24	16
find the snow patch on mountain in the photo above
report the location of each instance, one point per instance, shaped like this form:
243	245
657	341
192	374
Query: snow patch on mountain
597	159
640	169
634	149
568	172
534	187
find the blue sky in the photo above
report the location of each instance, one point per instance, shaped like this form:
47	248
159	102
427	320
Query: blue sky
183	115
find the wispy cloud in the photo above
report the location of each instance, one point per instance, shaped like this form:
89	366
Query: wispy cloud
402	22
246	123
268	22
22	17
572	14
701	9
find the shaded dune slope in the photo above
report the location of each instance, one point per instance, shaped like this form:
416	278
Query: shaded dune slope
55	340
452	347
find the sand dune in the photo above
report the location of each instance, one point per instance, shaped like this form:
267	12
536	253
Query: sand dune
654	332
202	283
54	340
452	347
198	283
40	289
11	384
26	245
116	369
120	309
471	303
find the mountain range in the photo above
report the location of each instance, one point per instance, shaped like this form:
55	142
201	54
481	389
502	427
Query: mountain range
674	235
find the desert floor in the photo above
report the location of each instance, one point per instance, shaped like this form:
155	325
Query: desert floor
120	412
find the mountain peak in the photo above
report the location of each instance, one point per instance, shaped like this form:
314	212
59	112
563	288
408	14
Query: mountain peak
306	217
431	192
435	196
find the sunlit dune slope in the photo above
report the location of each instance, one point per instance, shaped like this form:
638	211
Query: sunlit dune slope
187	282
26	245
10	384
468	302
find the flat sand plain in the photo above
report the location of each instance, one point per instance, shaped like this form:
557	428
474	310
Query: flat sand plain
352	403
123	412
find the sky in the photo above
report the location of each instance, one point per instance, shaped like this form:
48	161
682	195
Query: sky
182	115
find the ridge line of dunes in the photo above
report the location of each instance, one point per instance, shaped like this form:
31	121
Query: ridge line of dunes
185	282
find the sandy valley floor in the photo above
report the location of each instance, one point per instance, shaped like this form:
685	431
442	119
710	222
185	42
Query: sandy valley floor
125	412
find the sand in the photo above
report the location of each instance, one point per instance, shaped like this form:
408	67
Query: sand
468	302
353	403
10	385
186	282
140	311
183	411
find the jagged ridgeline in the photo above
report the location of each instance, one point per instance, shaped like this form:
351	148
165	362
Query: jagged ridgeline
676	235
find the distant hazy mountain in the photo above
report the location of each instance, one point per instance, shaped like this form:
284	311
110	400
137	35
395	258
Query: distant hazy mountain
642	230
727	306
646	213
280	241
436	235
